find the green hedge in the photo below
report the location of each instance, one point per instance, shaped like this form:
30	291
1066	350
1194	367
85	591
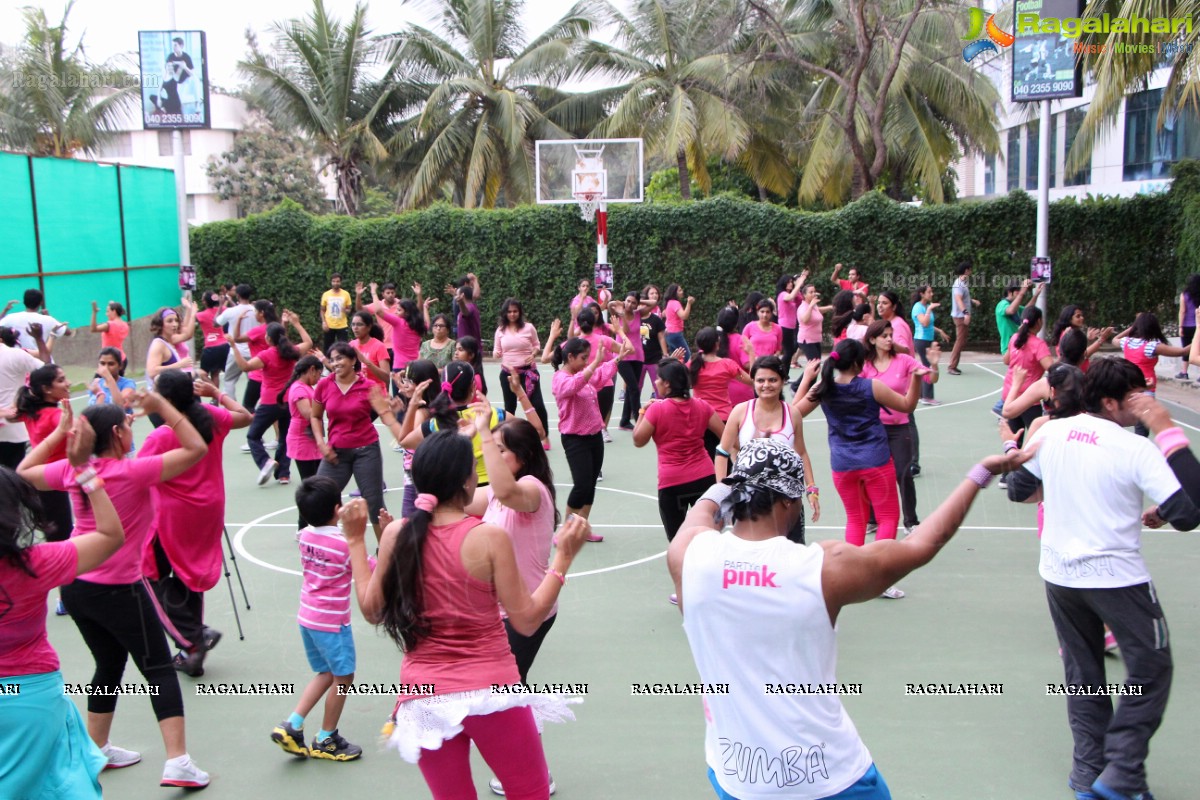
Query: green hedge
1112	256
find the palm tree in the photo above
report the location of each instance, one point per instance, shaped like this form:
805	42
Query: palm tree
886	95
674	56
319	81
52	100
484	96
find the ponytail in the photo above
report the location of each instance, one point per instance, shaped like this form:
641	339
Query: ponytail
1029	320
706	344
31	398
847	356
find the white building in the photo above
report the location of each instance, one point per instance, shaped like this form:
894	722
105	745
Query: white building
136	146
1130	157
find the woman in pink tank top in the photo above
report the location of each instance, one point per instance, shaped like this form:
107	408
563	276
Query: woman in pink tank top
442	575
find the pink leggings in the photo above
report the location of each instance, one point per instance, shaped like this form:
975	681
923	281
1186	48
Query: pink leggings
875	487
509	743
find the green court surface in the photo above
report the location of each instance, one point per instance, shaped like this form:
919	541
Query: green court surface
977	615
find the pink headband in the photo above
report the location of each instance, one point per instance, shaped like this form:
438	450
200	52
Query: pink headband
426	502
834	355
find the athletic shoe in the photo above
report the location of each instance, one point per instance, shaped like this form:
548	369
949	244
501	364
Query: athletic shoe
595	537
931	401
119	757
1082	794
673	599
270	445
290	739
546	445
183	772
915	469
1110	641
1102	791
211	637
246	448
355	493
872	528
1183	376
1002	484
954	371
396	448
626	427
497	789
190	664
266	472
60	610
334	748
893	593
600	477
908	529
606	436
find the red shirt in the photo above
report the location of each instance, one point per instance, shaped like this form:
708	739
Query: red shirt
44	422
214	336
679	427
713	385
347	413
276	372
256	337
377	352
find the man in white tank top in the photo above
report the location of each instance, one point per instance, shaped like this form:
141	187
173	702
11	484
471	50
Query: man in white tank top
776	726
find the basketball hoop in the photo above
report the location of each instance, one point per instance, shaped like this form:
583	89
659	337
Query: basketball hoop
589	204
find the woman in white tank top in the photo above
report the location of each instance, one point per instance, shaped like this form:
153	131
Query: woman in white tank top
768	417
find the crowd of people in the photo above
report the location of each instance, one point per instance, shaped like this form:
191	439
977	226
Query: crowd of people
131	531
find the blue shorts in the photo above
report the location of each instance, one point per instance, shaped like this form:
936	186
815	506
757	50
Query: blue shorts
870	786
328	651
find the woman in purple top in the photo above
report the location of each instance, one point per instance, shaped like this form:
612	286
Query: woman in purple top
1187	317
863	472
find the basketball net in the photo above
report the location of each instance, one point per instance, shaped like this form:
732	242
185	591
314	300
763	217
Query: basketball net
589	204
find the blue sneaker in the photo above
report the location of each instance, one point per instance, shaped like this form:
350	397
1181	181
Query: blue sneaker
1102	791
1083	794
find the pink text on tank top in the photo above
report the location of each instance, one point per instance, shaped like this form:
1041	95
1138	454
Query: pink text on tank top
759	577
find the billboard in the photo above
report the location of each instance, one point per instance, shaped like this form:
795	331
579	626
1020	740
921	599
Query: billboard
1045	65
174	69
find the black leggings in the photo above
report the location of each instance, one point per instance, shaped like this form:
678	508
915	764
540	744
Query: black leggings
253	393
525	648
674	502
789	349
117	621
811	350
900	442
307	469
631	373
921	345
183	607
535	397
585	457
56	507
604	399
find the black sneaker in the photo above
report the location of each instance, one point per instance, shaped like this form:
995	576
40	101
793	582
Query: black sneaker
290	739
191	664
211	637
334	748
915	470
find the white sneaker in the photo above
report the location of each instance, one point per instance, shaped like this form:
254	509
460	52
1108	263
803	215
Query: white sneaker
600	477
182	771
246	448
266	472
498	789
119	757
270	445
893	593
606	436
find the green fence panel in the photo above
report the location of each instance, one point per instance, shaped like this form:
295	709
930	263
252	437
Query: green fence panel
79	215
150	216
18	256
151	289
69	297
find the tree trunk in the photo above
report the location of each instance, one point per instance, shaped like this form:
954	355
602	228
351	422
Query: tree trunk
685	178
762	193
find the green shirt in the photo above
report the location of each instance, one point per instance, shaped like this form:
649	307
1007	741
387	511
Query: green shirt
1007	325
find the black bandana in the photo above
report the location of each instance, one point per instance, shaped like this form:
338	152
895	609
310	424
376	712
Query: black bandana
765	464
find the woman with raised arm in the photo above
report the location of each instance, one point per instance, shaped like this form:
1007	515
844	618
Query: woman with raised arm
168	349
110	604
766	416
516	345
215	351
627	315
47	750
675	314
276	363
114	330
441	575
408	327
710	378
367	340
787	291
863	472
39	405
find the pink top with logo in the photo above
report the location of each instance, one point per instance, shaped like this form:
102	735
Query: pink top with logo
896	377
531	532
713	385
377	352
673	320
406	343
515	348
809	332
1029	357
301	445
24	648
466	648
347	413
189	508
679	427
129	483
787	310
766	342
213	334
578	411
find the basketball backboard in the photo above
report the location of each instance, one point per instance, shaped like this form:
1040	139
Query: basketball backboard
569	168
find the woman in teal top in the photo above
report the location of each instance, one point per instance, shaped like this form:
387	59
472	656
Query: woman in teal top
924	331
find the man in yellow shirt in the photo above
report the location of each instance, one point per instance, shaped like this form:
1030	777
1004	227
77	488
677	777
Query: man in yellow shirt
335	310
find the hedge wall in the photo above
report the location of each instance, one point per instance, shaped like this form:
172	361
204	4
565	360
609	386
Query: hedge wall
1113	257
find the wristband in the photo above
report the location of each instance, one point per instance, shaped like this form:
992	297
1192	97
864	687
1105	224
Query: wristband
1009	446
981	475
1170	439
88	480
220	398
562	579
814	489
721	451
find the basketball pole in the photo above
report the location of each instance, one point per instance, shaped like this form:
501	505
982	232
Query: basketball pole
602	234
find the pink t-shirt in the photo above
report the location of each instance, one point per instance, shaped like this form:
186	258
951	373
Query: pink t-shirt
116	334
325	592
384	325
515	348
24	648
1029	357
578	411
276	372
256	339
300	442
406	343
679	427
348	413
633	331
901	333
808	332
713	385
374	350
213	335
765	343
896	377
598	339
673	320
190	508
128	482
43	424
786	309
738	391
532	533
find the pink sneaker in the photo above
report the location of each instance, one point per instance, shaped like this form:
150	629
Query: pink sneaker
1110	641
546	445
595	537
